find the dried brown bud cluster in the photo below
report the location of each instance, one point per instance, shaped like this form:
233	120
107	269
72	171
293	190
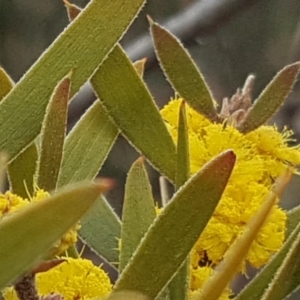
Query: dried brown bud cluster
235	109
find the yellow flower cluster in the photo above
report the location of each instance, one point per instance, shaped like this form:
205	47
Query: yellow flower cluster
73	279
199	276
262	155
10	203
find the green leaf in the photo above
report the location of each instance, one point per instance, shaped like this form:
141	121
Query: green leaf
183	158
138	211
26	235
53	136
130	105
101	230
173	234
87	146
73	11
6	84
21	171
83	45
287	278
182	72
270	100
179	285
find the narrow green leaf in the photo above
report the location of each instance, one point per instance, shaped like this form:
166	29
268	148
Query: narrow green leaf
228	268
6	84
256	288
87	146
86	136
182	72
83	45
74	10
138	211
101	230
183	158
287	278
270	100
179	285
21	171
173	234
130	105
26	235
53	136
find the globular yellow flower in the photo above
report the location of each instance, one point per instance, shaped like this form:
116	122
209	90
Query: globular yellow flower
198	276
272	147
262	155
10	203
74	279
196	122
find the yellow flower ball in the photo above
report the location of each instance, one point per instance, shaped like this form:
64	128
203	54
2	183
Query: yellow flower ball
10	202
73	279
262	155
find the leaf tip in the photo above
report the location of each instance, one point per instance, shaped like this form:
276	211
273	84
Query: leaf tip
71	73
72	9
104	184
182	105
291	70
150	20
140	160
144	60
139	66
229	155
225	161
47	265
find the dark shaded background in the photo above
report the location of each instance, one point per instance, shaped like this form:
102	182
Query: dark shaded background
227	40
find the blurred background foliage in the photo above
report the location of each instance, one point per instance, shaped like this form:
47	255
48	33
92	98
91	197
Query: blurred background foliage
228	40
